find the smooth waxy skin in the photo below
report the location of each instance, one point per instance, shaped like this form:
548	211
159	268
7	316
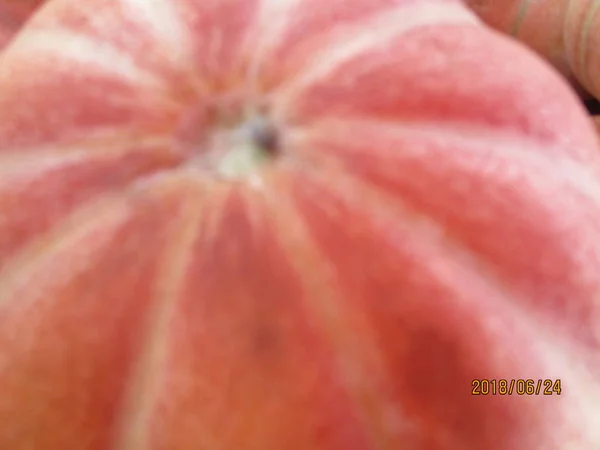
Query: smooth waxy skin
428	217
566	32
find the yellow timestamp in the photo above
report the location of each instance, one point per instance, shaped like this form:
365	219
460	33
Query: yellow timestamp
516	386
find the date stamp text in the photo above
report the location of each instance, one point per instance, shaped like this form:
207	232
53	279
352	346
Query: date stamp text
516	386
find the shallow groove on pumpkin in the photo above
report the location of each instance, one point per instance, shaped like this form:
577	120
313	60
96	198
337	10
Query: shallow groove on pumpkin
346	333
70	47
571	264
160	20
133	425
468	264
347	44
107	213
94	148
58	186
502	143
583	55
270	26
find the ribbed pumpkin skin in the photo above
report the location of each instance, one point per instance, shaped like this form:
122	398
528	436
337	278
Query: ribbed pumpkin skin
566	32
429	216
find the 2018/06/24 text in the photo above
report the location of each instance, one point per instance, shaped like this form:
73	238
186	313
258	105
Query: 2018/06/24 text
516	386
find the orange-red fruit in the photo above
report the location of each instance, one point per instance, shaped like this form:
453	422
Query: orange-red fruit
300	225
566	32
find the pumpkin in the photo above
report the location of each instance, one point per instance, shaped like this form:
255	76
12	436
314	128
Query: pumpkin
565	32
260	224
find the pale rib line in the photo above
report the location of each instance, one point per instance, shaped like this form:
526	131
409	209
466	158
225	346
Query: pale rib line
520	18
371	35
586	29
160	18
51	157
108	212
144	385
503	143
526	152
357	361
273	20
555	351
61	47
